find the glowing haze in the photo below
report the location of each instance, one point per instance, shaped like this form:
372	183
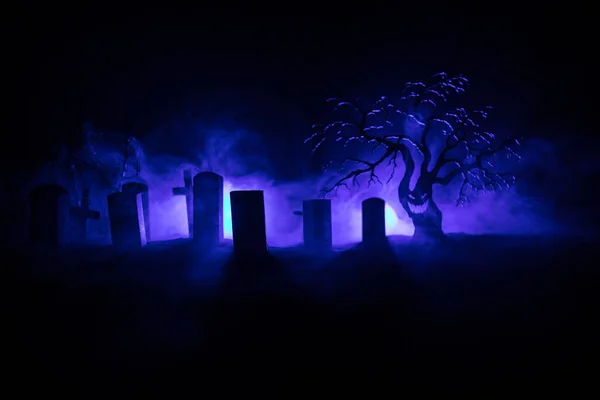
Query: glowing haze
225	153
168	214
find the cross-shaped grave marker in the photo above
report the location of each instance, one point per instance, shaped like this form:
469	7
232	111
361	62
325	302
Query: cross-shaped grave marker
187	191
81	214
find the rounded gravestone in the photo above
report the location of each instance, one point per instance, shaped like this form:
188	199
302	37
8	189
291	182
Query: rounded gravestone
373	221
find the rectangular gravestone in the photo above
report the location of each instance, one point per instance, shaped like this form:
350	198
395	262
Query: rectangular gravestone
80	216
49	215
187	191
248	223
316	219
208	209
127	225
141	188
373	221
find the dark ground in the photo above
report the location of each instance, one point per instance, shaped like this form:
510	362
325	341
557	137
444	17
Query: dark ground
475	309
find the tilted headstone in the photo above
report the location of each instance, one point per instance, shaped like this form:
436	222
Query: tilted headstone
187	191
208	209
248	223
126	214
49	215
80	216
316	219
141	188
373	221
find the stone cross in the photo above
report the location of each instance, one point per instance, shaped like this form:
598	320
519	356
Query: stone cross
49	215
316	219
248	223
208	209
373	221
187	191
81	214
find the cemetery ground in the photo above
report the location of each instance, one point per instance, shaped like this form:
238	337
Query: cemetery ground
474	307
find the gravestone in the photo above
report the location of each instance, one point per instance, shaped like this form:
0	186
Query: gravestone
49	215
141	188
316	219
373	221
187	191
208	209
126	214
80	216
248	223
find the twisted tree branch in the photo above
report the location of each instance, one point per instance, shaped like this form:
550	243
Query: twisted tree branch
461	129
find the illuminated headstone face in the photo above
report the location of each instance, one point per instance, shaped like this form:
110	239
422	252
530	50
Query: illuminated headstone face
316	219
142	189
248	221
208	209
49	215
373	221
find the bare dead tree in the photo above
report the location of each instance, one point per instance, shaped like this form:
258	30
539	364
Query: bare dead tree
115	157
404	131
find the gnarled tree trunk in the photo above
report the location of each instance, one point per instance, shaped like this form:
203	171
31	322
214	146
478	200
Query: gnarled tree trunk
422	210
428	225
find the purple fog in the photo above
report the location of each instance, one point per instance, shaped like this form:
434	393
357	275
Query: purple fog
488	213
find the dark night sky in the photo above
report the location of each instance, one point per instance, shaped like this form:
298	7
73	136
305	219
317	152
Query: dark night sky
129	70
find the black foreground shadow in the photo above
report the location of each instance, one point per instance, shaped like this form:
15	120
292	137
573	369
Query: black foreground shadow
480	306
